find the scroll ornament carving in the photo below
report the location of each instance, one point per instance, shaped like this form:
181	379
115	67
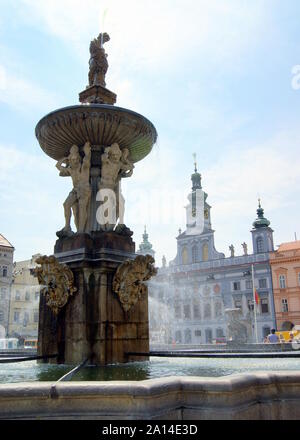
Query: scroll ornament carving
128	282
57	281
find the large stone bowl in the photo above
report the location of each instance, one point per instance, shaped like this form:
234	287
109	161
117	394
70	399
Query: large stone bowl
100	125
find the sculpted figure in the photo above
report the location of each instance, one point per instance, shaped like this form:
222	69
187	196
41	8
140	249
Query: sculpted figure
57	280
110	166
128	282
237	330
245	248
79	198
98	61
231	248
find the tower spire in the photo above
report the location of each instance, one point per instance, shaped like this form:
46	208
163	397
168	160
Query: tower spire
261	221
196	177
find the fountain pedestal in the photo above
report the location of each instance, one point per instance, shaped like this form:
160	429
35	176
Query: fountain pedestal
93	324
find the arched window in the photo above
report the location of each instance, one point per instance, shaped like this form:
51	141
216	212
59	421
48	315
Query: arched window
185	256
260	244
1	315
282	282
195	254
205	252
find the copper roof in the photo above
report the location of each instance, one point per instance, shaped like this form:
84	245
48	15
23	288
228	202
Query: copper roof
4	242
291	246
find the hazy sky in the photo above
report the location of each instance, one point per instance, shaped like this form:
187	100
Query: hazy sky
215	78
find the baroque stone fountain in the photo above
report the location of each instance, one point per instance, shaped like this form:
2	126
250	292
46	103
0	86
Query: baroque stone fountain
94	303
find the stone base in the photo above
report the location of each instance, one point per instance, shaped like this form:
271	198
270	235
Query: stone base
97	95
93	324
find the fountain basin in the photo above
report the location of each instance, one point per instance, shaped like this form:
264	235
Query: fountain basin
99	124
264	396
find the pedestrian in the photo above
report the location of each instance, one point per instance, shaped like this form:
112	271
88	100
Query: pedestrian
272	337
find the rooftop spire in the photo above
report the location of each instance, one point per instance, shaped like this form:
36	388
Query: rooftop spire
261	221
195	161
196	177
145	247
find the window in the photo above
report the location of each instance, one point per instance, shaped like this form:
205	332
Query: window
161	295
178	337
37	296
236	285
282	282
16	316
4	271
27	296
185	256
205	252
262	283
260	245
187	311
187	336
284	305
248	284
1	315
218	309
197	333
266	331
177	311
207	311
18	296
195	254
264	305
26	319
299	278
36	316
197	311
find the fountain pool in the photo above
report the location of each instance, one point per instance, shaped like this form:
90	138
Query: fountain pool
137	371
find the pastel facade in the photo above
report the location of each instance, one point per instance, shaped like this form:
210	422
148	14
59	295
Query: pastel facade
6	269
24	304
285	264
193	293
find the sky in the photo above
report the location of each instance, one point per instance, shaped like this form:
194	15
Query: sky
219	78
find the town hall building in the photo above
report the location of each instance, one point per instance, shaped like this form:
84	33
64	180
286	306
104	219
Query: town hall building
201	283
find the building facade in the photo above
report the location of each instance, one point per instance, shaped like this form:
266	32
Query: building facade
6	269
24	302
201	283
285	264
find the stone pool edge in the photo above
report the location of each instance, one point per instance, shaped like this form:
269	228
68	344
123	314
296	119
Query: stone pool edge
251	396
